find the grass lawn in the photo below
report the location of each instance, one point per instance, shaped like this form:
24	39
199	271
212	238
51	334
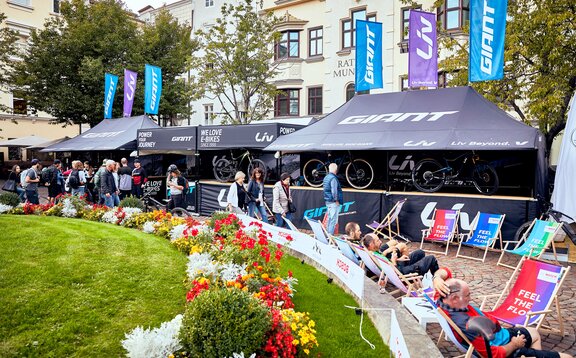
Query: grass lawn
337	327
71	287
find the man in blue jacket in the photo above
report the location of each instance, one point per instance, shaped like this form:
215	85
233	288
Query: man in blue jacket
332	196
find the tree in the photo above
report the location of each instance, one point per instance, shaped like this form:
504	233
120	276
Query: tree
63	70
237	62
539	72
8	39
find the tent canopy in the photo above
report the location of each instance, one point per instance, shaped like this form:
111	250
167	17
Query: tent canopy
24	141
456	118
109	134
49	143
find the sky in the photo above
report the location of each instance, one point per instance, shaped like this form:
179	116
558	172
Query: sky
136	5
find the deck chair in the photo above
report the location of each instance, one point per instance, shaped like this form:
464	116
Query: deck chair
384	227
407	284
484	232
443	230
448	329
346	250
290	225
538	237
536	283
319	231
367	261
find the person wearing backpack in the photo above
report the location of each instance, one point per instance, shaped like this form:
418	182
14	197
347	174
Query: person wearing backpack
96	180
50	179
77	179
125	173
177	184
32	179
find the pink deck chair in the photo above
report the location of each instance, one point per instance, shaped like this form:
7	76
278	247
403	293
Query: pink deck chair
443	230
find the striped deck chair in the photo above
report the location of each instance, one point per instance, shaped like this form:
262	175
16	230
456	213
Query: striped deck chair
384	227
450	329
529	294
443	230
484	232
346	250
538	237
319	231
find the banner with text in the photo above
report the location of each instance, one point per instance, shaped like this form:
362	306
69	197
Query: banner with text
422	50
110	84
368	55
487	35
129	91
152	89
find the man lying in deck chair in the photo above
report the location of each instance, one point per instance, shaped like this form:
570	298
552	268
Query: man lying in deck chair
399	255
353	232
507	342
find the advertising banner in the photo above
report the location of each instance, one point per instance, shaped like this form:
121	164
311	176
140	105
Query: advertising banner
242	136
487	35
152	89
368	55
422	50
129	92
397	344
167	140
110	84
155	187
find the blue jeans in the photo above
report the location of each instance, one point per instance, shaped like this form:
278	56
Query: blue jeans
21	194
108	200
332	211
116	199
78	191
252	208
32	196
280	220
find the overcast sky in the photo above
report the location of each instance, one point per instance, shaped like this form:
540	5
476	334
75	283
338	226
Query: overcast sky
136	5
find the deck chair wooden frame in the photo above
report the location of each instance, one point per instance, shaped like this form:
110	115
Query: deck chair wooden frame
491	242
347	250
539	316
320	232
451	235
526	240
408	284
384	227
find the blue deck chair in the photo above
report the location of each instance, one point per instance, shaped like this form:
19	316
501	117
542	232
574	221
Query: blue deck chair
347	250
484	232
320	233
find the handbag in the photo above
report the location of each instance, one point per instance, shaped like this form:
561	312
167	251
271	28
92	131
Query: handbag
9	185
291	207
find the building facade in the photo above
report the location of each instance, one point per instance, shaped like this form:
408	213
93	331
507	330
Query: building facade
23	16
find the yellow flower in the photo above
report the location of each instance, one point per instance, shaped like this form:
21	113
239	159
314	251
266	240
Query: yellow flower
264	275
295	342
307	351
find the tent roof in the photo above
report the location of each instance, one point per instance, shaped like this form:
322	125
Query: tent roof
24	141
456	118
48	143
109	134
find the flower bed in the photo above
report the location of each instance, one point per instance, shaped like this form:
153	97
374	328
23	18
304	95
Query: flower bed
237	303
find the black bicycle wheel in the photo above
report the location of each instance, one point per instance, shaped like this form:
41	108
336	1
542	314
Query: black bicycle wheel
180	213
485	178
257	163
359	174
314	172
522	230
223	170
428	175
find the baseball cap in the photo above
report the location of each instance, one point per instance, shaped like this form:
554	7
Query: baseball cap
35	161
136	160
172	167
57	161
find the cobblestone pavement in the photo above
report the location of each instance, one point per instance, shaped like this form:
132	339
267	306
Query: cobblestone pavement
488	278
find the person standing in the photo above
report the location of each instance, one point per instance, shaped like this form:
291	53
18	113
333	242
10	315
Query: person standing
32	179
237	194
89	187
280	199
108	189
15	175
139	178
77	179
50	176
97	179
256	195
125	174
177	183
332	196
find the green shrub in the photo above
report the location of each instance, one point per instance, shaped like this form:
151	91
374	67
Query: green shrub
218	323
132	202
11	199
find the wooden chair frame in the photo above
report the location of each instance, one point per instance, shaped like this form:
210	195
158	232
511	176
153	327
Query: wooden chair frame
453	234
489	246
387	222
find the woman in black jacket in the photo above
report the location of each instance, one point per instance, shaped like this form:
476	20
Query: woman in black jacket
15	175
255	200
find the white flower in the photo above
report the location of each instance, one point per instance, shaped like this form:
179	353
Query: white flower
201	264
129	212
177	231
4	208
148	227
231	271
241	355
68	209
109	217
154	343
291	282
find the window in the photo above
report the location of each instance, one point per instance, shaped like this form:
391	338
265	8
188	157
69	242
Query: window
209	3
21	2
288	46
56	6
349	27
19	104
287	103
351	91
14	153
453	14
404	83
315	100
315	42
208	114
444	78
405	20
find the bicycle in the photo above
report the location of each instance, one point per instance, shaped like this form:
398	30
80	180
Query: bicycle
359	173
429	175
224	169
151	204
548	214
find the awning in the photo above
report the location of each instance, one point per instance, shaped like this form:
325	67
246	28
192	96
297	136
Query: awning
24	141
254	136
109	134
49	143
171	140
